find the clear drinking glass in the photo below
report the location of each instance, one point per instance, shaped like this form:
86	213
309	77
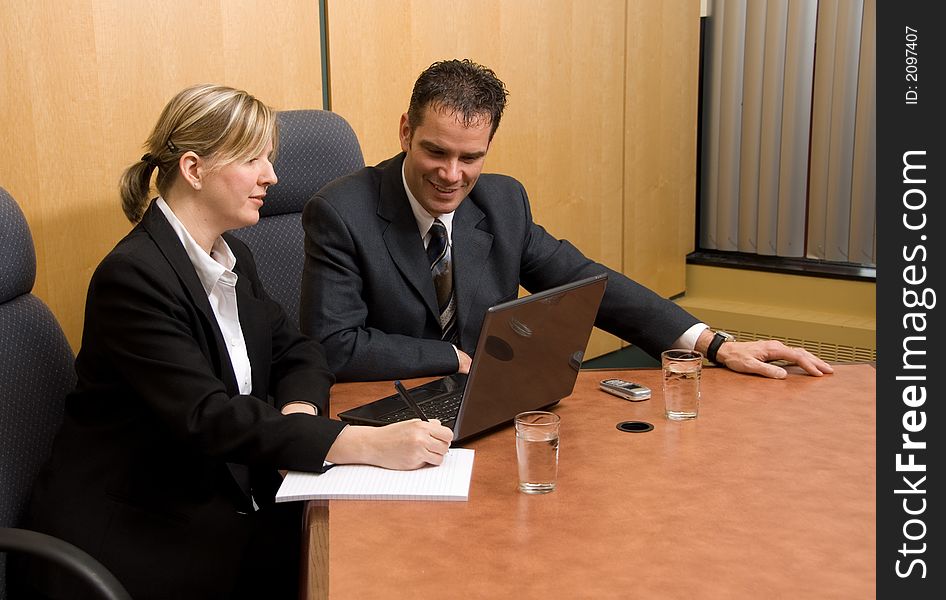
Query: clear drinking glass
681	383
537	451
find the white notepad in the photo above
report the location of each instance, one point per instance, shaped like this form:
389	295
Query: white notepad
448	481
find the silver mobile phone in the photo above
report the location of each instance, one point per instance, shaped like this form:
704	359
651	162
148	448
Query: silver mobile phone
628	390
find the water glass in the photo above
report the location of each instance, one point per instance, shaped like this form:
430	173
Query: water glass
537	451
681	383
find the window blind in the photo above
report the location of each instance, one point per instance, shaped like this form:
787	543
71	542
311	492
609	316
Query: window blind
789	140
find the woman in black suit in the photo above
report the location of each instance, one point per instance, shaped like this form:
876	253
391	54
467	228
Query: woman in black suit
193	388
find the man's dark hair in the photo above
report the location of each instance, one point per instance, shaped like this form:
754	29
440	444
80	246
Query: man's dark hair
462	86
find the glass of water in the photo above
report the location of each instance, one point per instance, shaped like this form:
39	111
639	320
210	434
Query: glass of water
681	386
537	451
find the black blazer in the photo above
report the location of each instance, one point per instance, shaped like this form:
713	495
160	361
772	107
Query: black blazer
367	294
152	470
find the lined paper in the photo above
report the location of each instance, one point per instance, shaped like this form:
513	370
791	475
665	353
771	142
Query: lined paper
448	481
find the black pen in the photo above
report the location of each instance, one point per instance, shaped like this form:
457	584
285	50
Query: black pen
410	401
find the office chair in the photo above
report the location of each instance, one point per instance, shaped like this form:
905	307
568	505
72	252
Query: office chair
315	147
36	373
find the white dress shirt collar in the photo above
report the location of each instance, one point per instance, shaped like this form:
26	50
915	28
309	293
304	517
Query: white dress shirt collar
210	267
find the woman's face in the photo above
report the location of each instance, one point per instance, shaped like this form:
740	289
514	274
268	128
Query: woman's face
234	193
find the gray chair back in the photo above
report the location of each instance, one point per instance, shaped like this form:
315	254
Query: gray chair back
36	370
315	147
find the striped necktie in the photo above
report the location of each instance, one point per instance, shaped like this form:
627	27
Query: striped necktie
441	270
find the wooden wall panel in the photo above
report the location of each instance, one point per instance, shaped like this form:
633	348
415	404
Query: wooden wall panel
663	49
81	85
600	127
562	134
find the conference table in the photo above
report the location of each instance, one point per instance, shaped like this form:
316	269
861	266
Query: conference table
769	493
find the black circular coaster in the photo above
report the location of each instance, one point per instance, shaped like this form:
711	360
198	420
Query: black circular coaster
635	426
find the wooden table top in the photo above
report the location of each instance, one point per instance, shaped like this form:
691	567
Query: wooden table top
770	493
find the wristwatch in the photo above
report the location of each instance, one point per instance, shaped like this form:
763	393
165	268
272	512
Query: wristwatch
718	339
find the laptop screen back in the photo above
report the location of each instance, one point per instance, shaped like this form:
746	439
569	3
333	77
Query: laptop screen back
529	353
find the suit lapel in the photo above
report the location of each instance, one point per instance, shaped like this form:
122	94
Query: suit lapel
471	248
256	331
173	250
401	237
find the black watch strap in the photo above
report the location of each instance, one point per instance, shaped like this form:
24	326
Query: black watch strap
715	343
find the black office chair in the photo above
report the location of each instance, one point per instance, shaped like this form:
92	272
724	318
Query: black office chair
36	373
315	147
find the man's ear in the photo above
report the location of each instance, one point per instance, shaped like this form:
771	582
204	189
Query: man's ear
191	167
405	133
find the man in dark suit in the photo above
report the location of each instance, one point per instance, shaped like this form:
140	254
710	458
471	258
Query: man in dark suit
388	299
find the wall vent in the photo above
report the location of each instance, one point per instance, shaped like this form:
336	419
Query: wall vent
832	353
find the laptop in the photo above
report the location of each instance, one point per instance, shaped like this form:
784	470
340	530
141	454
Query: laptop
527	358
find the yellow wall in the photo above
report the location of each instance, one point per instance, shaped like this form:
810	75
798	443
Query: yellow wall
600	127
834	318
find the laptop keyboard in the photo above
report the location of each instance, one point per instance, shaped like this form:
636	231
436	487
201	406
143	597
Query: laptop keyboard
443	408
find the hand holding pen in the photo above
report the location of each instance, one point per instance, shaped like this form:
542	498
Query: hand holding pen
403	445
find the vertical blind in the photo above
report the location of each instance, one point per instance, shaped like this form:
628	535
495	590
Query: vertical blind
789	139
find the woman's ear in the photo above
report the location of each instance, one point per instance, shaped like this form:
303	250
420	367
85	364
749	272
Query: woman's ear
192	169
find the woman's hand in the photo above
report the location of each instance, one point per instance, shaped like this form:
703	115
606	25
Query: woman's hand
403	446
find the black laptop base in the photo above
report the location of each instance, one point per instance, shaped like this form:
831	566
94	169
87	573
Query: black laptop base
393	409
